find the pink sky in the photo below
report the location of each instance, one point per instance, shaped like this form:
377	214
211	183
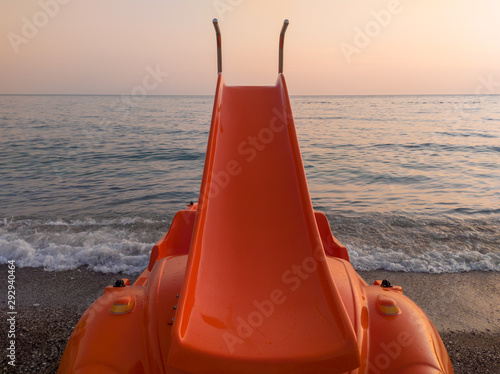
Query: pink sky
331	47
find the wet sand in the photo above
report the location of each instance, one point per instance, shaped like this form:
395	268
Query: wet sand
465	308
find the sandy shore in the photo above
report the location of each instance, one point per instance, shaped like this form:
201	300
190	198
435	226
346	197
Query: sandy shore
465	308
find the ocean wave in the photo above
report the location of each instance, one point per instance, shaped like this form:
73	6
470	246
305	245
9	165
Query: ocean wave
102	257
375	242
446	261
105	245
82	222
467	134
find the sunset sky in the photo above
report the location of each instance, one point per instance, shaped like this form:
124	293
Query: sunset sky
331	47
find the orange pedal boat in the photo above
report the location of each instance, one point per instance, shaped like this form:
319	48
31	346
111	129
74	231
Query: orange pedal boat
251	279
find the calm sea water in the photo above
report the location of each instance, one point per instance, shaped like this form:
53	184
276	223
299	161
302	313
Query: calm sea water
409	183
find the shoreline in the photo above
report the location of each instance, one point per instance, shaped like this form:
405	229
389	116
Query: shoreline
464	308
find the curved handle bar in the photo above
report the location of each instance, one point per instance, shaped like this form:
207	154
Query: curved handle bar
219	45
282	41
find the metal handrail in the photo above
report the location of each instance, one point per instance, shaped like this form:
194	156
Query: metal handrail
219	45
282	41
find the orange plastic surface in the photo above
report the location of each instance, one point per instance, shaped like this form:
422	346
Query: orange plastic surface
177	240
258	295
252	280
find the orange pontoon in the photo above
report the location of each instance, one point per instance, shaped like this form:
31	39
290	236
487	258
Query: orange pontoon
251	279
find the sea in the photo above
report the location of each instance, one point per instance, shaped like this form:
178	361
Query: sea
408	183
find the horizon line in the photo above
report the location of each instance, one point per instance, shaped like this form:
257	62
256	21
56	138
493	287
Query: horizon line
211	95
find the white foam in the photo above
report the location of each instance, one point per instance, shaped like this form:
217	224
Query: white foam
106	258
108	248
445	261
124	245
93	222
